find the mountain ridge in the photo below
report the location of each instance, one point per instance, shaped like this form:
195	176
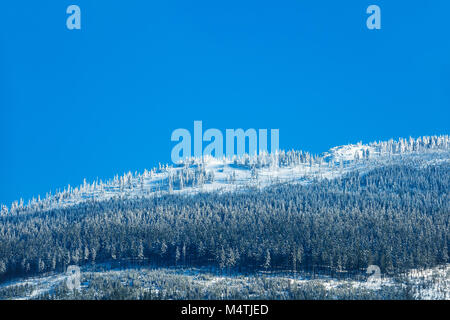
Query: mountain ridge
209	174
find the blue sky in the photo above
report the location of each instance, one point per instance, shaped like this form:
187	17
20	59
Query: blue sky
105	99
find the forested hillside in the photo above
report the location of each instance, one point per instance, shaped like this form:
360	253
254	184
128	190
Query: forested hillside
396	217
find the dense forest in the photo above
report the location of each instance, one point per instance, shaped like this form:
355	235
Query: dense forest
395	217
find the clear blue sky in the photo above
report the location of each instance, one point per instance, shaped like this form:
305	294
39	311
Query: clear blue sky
104	100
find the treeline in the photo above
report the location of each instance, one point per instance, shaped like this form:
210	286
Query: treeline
191	172
394	217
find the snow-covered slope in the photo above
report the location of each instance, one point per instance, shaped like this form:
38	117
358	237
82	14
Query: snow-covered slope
210	174
427	284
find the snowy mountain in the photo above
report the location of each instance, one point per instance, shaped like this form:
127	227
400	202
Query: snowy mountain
210	174
291	217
